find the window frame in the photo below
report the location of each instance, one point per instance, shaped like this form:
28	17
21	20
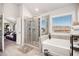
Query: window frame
60	15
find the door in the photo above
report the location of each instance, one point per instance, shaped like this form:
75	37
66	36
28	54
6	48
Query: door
30	32
33	33
27	31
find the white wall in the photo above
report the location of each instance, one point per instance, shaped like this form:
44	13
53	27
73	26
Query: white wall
24	13
18	31
78	12
11	10
1	7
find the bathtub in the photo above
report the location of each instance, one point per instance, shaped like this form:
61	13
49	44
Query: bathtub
57	47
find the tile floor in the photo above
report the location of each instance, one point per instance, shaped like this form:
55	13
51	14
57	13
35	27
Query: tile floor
11	49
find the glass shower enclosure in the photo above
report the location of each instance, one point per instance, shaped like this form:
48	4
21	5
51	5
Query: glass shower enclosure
30	32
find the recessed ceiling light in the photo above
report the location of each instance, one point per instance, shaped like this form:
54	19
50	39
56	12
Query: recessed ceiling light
36	9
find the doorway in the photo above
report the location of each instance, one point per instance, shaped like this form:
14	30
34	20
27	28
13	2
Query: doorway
9	33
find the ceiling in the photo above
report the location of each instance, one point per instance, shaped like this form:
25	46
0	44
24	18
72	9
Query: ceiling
44	7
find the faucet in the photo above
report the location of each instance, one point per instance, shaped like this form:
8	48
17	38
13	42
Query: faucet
49	36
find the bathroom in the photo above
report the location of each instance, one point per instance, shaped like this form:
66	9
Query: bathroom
44	30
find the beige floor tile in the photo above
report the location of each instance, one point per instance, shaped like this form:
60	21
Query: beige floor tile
11	49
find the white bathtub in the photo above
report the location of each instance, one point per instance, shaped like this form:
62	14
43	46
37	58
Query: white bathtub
60	47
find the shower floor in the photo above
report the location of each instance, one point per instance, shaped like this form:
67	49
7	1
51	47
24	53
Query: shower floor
33	43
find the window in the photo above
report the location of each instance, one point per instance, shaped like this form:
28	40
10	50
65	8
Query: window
62	23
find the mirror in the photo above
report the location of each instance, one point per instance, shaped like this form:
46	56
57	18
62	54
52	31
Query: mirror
44	25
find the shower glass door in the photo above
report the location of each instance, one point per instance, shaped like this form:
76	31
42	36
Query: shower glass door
27	32
34	33
30	32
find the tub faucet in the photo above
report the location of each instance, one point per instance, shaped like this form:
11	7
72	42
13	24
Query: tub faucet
49	36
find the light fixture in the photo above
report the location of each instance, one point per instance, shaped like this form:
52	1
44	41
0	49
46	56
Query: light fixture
36	9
